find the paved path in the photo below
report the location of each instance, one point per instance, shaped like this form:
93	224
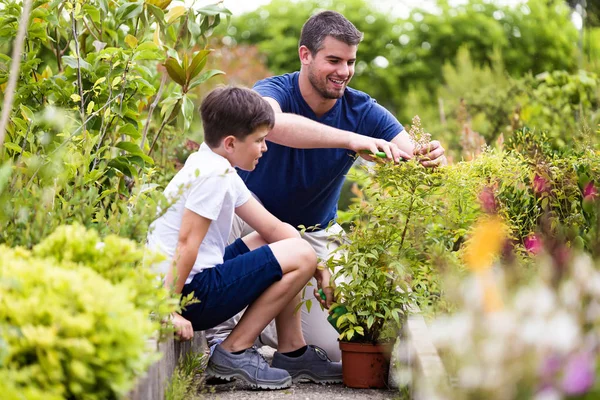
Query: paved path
300	391
237	390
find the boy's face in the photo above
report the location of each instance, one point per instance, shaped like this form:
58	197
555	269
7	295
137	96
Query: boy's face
331	68
248	151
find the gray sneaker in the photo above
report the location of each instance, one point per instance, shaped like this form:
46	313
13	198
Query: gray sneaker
313	365
250	367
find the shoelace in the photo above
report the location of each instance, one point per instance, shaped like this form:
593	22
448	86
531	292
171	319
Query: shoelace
321	353
258	361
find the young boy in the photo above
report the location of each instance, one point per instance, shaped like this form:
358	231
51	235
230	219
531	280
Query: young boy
265	270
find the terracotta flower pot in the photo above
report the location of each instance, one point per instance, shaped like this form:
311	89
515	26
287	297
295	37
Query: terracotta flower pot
365	365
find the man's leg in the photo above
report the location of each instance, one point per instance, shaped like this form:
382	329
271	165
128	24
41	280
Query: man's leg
315	327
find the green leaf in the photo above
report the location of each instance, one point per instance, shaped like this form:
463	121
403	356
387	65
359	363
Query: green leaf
370	321
214	9
130	130
26	112
197	64
350	334
188	111
131	41
204	77
12	146
174	13
129	147
135	150
308	305
5	172
129	11
72	62
93	12
175	71
157	12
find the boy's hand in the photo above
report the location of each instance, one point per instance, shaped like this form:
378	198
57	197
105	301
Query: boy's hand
323	277
183	327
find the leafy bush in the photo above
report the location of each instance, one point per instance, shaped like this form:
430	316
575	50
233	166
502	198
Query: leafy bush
83	140
409	223
119	260
68	333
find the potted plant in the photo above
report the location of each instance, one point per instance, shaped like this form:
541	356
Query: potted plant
372	270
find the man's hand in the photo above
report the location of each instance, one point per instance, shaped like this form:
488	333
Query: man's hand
323	277
432	155
360	143
183	327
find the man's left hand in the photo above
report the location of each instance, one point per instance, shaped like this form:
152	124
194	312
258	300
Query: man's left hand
323	277
432	154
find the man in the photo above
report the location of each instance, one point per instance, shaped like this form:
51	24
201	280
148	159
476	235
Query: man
320	125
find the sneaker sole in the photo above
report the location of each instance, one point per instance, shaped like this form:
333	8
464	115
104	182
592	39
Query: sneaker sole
215	371
306	375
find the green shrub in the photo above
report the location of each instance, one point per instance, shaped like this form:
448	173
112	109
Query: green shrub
69	332
119	260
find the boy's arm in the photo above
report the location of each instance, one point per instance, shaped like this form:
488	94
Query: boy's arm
268	226
191	234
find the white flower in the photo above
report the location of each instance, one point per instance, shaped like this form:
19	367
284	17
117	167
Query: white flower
548	394
562	332
539	300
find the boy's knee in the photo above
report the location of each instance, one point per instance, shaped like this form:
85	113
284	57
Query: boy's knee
306	253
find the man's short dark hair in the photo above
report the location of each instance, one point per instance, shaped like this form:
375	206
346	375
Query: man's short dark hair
328	23
234	111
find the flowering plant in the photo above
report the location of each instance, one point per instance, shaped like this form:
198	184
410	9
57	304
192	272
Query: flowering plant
538	339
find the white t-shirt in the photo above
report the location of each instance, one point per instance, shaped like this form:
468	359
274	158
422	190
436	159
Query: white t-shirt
209	186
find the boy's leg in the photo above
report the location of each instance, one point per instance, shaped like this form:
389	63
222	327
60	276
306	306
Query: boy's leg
315	327
235	357
219	333
281	299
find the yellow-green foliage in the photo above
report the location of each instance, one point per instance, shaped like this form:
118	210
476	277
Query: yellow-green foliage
120	260
68	332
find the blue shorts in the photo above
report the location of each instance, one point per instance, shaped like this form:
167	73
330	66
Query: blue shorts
228	288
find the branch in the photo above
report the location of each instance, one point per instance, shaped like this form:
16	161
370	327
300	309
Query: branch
14	69
80	84
152	107
91	31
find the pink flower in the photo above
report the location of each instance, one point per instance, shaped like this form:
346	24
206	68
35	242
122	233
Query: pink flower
487	200
579	374
533	244
590	192
540	184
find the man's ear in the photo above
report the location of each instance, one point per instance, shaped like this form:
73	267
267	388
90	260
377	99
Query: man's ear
305	55
229	143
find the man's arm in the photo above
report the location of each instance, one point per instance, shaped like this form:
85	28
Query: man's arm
268	226
299	132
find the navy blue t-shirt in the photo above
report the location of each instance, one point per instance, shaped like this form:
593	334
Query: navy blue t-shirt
302	186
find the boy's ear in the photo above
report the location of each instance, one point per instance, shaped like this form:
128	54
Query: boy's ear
229	143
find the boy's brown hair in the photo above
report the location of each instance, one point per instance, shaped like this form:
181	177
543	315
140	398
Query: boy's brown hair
234	111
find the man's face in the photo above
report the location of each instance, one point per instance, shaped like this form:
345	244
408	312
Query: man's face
331	68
